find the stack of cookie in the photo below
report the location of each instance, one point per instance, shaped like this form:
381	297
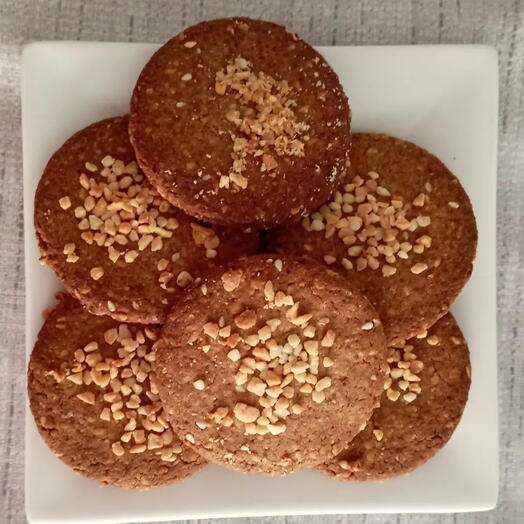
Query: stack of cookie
248	283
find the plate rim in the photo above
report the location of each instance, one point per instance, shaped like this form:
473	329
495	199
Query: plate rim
28	49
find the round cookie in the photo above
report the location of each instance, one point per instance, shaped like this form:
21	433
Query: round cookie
117	246
401	227
264	366
412	424
240	122
95	403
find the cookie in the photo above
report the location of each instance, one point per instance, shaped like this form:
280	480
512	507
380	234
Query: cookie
400	227
117	246
421	406
95	402
264	366
240	122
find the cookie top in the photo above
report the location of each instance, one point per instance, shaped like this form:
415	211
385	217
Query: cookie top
265	365
401	227
238	121
95	401
425	394
117	246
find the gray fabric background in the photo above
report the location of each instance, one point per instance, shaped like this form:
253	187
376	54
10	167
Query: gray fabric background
497	23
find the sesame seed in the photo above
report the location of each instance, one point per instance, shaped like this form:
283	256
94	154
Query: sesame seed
306	389
96	273
138	448
84	181
117	449
131	256
388	271
76	378
88	397
273	323
238	179
108	161
231	280
91	346
418	268
323	383
234	355
317	225
318	396
409	397
211	329
423	221
419	200
199	384
347	264
256	386
144	241
80	212
156	244
327	362
224	182
379	434
329	339
392	395
69	248
269	292
65	202
403	384
184	279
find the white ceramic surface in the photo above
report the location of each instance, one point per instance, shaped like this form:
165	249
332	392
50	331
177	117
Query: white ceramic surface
445	99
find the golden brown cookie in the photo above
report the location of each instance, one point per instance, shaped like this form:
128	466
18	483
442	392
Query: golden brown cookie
95	401
421	406
265	366
400	227
117	246
239	122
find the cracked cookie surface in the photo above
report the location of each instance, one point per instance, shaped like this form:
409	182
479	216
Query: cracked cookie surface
95	403
400	227
272	365
424	397
240	122
116	245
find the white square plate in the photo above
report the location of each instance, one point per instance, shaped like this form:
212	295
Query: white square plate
445	99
